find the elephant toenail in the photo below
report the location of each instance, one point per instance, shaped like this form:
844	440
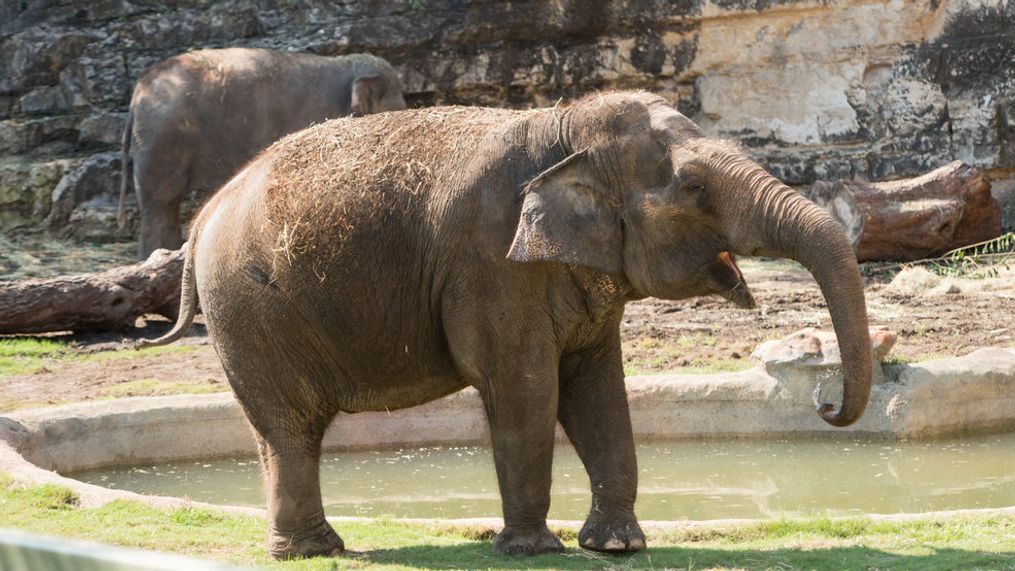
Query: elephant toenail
590	542
613	544
637	544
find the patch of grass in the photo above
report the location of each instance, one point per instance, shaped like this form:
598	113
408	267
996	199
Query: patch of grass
714	365
30	347
11	405
24	356
909	358
156	387
651	355
966	542
27	356
50	497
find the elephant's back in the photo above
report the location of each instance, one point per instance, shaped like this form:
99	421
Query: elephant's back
355	174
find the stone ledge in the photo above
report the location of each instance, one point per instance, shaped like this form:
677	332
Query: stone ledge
974	393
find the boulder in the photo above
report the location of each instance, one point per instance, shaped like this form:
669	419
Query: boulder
20	135
84	203
102	129
811	356
26	187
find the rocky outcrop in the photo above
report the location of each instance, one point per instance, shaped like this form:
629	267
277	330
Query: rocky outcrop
809	356
847	89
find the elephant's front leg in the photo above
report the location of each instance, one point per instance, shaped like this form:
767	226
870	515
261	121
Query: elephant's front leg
521	408
593	411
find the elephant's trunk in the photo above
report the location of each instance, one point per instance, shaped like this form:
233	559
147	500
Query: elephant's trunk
768	218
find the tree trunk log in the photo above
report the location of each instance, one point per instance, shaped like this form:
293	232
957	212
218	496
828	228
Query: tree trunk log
103	301
915	218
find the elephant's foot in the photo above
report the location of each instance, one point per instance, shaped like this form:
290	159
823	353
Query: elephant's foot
612	535
313	542
519	541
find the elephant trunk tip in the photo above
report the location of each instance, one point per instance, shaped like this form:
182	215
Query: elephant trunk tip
839	418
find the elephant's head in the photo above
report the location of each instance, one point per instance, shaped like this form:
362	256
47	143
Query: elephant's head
643	194
376	93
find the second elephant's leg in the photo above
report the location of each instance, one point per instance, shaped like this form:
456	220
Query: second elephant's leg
594	412
160	187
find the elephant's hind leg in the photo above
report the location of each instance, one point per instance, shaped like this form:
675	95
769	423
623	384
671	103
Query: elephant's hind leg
289	419
297	526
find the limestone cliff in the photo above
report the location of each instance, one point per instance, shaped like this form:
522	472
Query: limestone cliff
816	89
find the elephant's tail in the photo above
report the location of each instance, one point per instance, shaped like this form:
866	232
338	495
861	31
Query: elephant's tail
121	210
188	300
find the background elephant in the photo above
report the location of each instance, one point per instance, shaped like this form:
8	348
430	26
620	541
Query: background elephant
383	262
196	118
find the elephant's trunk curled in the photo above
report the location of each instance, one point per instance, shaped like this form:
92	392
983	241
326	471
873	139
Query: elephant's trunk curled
773	220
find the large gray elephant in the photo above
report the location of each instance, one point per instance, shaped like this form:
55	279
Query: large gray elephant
379	263
196	118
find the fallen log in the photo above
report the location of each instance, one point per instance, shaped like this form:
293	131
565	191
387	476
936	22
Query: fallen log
104	301
914	218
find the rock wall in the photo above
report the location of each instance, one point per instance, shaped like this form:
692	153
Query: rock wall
815	89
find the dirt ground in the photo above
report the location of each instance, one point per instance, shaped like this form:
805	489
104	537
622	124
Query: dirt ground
934	318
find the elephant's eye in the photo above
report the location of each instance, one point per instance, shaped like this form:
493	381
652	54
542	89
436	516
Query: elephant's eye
691	185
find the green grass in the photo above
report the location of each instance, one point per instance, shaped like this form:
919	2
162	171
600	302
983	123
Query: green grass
967	542
27	356
658	366
648	355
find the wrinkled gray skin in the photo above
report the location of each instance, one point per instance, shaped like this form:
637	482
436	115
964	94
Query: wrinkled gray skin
196	118
498	255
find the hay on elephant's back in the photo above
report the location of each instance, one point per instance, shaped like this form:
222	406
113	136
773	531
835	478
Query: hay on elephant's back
332	176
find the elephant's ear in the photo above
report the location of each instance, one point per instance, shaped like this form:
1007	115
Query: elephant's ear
568	217
367	90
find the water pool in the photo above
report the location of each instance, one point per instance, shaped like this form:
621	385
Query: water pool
696	480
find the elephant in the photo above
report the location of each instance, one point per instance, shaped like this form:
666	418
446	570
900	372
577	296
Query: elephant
196	118
383	262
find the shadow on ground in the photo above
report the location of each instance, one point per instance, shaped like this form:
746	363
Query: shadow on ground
113	340
478	555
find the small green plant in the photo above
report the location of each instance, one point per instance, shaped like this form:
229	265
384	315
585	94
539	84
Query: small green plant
977	261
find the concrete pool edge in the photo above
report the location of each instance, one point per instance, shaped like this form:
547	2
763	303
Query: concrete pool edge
974	393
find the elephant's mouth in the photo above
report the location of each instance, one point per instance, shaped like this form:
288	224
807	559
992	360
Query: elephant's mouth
738	292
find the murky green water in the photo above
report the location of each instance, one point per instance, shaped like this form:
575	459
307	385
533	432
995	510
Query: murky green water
693	480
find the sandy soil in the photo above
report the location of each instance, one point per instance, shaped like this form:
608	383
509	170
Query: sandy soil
933	319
